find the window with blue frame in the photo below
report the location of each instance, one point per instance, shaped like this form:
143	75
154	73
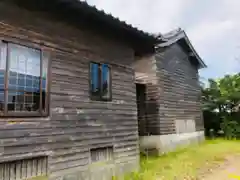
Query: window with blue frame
23	80
100	81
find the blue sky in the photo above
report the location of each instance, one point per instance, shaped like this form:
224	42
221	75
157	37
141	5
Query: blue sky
213	26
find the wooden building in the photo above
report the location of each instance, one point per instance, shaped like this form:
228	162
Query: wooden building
68	93
70	77
169	94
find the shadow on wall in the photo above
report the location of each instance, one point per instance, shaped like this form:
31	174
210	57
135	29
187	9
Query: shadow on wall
148	110
153	119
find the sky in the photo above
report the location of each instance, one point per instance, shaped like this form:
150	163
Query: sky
213	26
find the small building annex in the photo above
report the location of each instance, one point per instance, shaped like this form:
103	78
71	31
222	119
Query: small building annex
169	94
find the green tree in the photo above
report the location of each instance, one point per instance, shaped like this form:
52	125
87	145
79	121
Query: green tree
221	100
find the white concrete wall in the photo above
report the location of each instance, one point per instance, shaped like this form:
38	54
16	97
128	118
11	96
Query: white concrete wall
185	126
167	143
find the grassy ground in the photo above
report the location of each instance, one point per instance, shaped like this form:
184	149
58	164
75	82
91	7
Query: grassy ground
39	178
186	163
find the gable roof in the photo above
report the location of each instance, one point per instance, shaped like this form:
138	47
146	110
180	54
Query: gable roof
176	36
76	10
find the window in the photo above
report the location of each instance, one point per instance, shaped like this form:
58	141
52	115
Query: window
23	80
100	85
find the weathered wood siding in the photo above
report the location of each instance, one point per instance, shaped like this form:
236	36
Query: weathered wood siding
180	93
76	124
146	73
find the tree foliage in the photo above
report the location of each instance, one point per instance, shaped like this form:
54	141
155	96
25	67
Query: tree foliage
221	104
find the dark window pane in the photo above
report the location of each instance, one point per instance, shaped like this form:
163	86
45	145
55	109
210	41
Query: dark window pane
12	74
2	73
15	101
21	84
29	89
44	83
100	81
95	89
23	101
12	81
1	101
44	106
13	87
29	76
29	82
20	75
1	87
36	101
105	81
1	80
36	84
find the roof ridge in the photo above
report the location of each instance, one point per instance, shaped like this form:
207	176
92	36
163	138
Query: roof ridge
173	33
173	37
115	18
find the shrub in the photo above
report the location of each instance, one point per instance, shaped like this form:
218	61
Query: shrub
230	128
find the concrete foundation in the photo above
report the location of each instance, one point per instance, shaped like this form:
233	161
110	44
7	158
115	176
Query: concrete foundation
165	143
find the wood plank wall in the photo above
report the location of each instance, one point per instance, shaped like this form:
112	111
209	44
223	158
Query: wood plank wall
180	100
146	74
76	124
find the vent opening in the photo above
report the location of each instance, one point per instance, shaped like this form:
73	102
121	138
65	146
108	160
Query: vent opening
101	154
23	169
102	163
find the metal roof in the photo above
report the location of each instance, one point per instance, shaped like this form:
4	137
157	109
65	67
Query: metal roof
78	10
174	37
112	18
108	17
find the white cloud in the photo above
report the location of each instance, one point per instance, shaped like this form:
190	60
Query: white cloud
208	31
153	16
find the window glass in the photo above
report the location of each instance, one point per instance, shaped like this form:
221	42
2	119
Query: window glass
105	81
100	81
24	89
95	89
44	79
24	75
44	74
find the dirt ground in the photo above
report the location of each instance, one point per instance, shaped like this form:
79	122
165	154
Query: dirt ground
230	170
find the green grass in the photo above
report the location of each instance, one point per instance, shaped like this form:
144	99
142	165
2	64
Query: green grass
38	178
188	162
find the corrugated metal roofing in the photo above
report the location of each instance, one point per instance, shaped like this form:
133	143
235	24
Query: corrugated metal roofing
78	10
110	16
176	35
